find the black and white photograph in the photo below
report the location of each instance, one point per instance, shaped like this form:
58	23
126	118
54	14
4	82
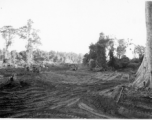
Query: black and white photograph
76	59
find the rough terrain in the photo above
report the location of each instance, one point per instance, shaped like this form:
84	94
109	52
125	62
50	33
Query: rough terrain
62	93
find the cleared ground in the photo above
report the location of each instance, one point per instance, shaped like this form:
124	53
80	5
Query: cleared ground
62	93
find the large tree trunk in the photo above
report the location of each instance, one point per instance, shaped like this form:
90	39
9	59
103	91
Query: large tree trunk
144	73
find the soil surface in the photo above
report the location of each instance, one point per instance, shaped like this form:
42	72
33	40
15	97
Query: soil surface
62	93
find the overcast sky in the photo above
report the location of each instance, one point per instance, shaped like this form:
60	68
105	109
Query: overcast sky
72	25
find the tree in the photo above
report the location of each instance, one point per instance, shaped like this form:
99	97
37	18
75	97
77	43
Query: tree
97	52
140	50
13	56
121	49
111	54
39	55
8	33
23	55
101	50
124	61
144	73
92	64
92	53
86	59
32	37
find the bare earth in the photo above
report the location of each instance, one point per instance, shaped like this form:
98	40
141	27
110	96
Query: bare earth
61	93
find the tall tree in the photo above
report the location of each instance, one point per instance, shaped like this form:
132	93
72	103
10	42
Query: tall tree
86	59
140	50
101	50
8	33
144	73
32	37
121	49
92	53
111	54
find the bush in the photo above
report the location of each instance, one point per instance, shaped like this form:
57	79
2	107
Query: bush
124	61
121	63
134	60
117	63
133	65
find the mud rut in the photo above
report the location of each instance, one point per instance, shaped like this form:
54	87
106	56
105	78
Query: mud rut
68	94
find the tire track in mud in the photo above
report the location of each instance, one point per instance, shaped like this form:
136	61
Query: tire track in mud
18	102
55	99
33	100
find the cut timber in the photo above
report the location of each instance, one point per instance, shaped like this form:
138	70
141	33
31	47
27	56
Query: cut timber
73	102
114	76
125	77
113	93
144	73
91	110
119	95
104	76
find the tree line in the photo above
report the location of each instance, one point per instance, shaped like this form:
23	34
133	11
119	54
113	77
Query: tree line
40	56
110	52
31	55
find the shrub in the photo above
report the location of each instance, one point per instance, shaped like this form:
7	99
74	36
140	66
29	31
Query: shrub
134	60
117	63
133	65
124	61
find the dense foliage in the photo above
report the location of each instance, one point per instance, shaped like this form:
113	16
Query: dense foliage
106	54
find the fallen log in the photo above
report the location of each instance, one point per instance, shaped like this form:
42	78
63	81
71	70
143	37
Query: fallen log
91	110
119	95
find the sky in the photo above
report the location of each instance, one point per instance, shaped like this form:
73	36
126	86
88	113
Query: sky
72	25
